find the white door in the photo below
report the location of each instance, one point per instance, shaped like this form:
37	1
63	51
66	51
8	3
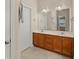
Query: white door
7	29
25	39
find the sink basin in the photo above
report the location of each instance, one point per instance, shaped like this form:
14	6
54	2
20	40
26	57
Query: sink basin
62	33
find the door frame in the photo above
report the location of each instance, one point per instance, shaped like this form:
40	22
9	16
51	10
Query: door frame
8	28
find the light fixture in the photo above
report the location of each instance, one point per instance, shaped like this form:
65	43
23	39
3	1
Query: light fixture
46	10
61	5
58	8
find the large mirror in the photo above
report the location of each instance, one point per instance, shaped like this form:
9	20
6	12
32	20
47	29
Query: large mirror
55	15
63	20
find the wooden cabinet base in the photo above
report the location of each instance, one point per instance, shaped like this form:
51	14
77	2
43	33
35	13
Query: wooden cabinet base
58	44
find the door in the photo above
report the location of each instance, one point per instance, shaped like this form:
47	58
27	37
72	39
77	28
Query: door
7	30
25	28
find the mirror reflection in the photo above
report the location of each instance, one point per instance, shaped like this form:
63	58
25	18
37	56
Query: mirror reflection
55	15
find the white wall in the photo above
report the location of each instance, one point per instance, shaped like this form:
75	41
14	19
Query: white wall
25	30
14	30
15	26
33	5
42	20
52	4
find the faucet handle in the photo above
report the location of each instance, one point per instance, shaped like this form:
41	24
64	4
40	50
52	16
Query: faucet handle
62	33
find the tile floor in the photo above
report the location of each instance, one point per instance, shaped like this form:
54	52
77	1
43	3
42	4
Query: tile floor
38	53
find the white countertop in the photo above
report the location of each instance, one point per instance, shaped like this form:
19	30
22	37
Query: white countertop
59	33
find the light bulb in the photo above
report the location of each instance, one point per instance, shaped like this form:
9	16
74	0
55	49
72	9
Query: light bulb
59	8
45	10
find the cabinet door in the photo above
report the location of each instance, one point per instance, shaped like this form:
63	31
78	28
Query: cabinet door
68	46
48	43
57	44
35	39
41	40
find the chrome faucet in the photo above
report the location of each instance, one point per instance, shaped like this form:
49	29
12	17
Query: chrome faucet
62	32
41	30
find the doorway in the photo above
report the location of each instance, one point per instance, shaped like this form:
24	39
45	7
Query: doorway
25	28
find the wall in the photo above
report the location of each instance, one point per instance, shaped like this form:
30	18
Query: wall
33	5
25	29
15	26
42	20
14	30
51	5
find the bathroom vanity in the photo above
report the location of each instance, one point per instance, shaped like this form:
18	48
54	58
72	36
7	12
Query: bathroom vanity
55	41
55	28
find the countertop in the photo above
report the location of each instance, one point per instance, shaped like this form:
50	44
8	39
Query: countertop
59	33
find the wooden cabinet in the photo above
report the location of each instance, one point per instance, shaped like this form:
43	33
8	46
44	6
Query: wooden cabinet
63	45
68	46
